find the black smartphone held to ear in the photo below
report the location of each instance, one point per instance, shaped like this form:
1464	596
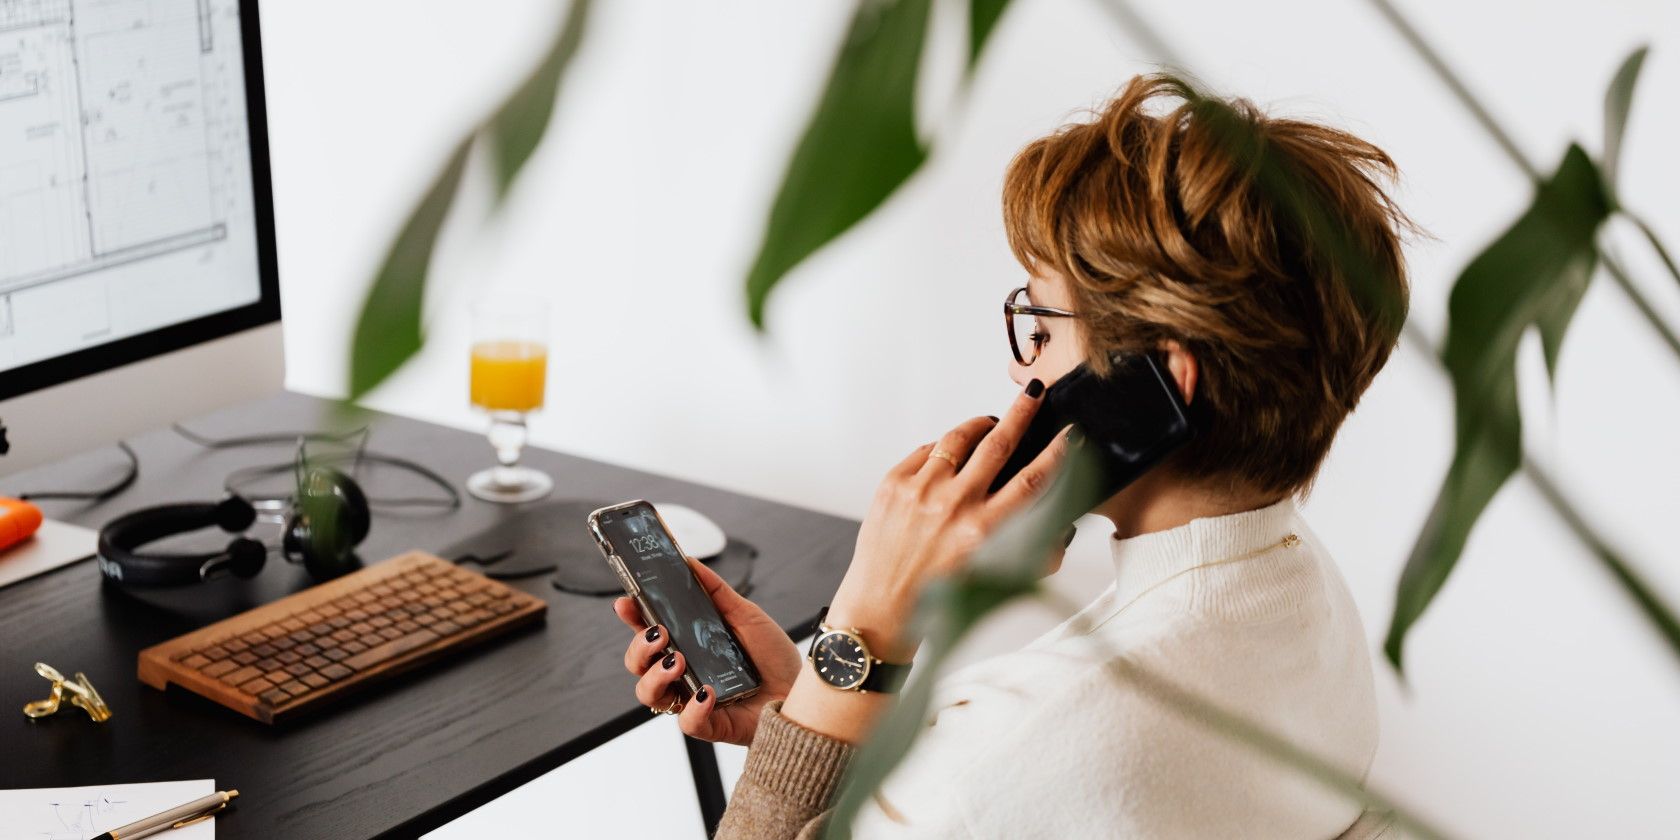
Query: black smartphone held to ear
652	569
1131	420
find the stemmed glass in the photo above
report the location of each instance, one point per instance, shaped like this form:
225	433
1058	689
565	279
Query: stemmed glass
509	368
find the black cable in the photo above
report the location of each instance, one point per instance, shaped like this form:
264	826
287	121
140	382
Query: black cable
265	439
242	477
99	495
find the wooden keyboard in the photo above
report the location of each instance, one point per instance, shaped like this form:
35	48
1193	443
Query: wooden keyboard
309	648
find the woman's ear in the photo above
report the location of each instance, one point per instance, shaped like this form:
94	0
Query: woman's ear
1183	368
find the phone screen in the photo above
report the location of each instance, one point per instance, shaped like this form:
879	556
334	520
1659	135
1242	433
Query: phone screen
670	590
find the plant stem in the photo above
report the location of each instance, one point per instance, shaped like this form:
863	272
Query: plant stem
1483	117
1241	729
1149	38
1639	301
1445	74
1636	588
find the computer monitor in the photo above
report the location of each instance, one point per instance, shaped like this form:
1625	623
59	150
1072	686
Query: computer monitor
138	282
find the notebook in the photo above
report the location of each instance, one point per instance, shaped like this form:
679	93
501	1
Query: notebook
81	813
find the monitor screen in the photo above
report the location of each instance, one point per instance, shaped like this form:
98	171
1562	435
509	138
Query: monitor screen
134	200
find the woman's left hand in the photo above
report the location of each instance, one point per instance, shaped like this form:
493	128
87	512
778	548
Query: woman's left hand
930	514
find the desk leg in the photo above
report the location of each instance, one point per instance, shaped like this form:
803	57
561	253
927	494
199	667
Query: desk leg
708	782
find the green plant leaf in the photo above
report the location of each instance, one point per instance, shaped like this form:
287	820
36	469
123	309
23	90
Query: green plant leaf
859	146
983	16
1557	307
516	128
389	331
1007	566
1527	277
1618	100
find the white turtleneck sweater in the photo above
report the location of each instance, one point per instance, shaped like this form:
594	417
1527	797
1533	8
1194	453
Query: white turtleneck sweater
1044	742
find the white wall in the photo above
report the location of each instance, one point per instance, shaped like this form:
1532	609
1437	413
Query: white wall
1538	702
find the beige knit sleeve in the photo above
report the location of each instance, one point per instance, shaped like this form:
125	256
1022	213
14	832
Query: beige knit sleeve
788	784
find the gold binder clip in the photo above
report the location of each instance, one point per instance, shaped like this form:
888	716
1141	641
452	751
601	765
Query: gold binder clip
81	691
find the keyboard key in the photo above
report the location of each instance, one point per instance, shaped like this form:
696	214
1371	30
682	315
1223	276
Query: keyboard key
274	697
315	680
195	660
335	671
391	650
216	669
242	675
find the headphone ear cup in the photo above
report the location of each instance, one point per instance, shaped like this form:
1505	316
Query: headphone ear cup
246	557
329	518
356	519
233	514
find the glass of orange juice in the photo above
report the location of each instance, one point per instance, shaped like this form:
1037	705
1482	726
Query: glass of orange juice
509	368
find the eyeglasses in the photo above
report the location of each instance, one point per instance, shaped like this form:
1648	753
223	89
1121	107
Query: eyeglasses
1021	319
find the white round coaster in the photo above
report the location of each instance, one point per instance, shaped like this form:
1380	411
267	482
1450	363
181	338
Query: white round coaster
695	531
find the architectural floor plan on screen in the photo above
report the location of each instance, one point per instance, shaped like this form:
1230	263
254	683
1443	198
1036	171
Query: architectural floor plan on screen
125	176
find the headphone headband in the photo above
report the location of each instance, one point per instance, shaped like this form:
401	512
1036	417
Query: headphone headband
119	541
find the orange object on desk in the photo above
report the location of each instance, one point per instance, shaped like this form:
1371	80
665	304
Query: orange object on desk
18	521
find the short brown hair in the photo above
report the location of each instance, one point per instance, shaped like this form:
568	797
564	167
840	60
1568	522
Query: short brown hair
1196	223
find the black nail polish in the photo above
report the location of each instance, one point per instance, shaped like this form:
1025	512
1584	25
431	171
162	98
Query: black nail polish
652	634
670	660
1035	388
993	419
701	694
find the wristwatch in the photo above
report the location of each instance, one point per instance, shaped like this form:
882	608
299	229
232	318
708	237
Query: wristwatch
843	661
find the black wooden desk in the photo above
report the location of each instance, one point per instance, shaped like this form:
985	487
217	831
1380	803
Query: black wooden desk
403	758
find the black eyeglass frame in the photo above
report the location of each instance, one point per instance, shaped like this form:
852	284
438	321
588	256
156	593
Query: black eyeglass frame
1011	309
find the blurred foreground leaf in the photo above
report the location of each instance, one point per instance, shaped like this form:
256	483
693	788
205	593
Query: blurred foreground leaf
1006	567
859	147
983	15
1618	101
519	125
1531	275
389	330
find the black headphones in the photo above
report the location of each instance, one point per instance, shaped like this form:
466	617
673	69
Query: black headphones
326	519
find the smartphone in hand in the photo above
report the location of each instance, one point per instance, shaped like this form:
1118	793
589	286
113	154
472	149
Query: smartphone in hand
651	567
1131	419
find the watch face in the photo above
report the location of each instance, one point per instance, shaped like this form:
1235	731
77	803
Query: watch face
840	660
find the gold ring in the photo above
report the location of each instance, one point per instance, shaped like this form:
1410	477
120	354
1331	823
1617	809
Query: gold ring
946	457
671	708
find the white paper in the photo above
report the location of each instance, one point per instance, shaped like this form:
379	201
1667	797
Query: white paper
54	544
82	813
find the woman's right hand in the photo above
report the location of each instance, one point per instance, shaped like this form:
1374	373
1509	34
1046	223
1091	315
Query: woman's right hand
771	650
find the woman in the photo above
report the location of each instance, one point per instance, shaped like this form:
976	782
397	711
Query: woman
1147	230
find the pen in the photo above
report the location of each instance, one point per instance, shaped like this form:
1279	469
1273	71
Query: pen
184	815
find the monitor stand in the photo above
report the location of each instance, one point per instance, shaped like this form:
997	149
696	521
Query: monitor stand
54	544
